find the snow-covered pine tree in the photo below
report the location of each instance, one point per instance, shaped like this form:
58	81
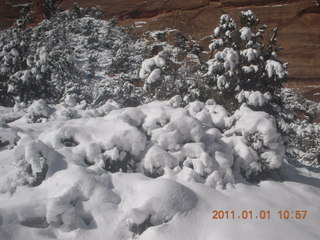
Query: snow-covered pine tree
243	69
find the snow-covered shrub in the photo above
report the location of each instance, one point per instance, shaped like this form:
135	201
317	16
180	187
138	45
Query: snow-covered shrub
154	73
75	58
210	113
304	131
38	111
254	98
257	144
31	157
65	210
151	66
8	136
118	90
305	143
295	102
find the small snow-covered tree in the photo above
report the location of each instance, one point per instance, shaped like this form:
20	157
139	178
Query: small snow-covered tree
172	69
151	69
163	78
242	65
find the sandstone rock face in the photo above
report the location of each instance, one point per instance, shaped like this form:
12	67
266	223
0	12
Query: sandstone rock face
299	22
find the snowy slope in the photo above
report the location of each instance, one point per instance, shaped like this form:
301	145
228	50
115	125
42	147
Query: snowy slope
168	168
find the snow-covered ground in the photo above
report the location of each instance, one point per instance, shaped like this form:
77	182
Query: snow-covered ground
157	171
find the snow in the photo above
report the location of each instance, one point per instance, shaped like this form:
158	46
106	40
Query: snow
216	31
246	33
221	82
14	53
249	14
214	66
231	59
139	24
224	18
227	59
250	54
254	98
185	163
261	126
216	44
71	100
8	136
256	121
275	68
226	23
43	57
250	69
154	76
148	65
175	101
38	109
156	159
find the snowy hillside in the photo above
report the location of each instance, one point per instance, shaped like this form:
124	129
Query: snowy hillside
103	136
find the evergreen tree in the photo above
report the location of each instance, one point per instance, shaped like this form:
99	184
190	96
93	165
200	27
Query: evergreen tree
242	65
